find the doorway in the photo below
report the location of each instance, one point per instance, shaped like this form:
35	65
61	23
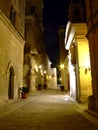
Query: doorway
11	83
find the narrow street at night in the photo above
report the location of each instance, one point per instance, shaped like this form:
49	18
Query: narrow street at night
46	110
48	64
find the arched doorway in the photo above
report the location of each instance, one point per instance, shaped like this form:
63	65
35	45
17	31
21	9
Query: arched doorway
11	83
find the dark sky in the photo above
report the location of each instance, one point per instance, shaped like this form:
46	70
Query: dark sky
55	11
54	15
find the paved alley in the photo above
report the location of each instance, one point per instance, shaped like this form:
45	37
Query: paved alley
46	110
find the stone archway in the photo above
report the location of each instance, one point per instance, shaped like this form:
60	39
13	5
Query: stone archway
11	83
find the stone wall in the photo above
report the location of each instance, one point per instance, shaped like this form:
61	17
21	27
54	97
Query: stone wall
11	55
15	12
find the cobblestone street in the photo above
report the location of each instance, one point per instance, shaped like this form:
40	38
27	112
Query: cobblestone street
46	110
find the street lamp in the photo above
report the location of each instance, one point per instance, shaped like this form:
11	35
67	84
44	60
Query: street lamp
40	66
62	66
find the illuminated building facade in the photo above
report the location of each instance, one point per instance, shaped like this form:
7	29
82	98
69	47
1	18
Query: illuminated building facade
11	47
79	59
35	59
33	37
21	47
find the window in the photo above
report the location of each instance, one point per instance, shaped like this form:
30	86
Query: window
32	9
12	15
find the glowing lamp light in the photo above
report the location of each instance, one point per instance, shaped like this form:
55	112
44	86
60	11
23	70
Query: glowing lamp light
45	72
62	66
49	77
40	66
60	79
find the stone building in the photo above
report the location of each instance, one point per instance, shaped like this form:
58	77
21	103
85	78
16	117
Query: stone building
21	47
79	59
35	58
92	35
11	47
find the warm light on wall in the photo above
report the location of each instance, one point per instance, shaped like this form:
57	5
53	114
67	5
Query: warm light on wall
36	68
71	36
48	77
62	66
84	59
87	64
66	32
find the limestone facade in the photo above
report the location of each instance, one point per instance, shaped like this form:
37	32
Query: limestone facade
11	48
34	52
79	58
79	61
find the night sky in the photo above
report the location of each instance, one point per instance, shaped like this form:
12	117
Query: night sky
54	14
